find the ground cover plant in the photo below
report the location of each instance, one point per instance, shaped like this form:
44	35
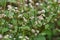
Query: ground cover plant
29	19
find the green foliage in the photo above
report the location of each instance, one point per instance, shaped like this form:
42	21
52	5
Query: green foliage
39	37
29	21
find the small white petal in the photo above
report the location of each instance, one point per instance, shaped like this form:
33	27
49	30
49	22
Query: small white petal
6	36
14	38
20	15
25	19
37	3
20	36
31	1
9	7
16	7
0	7
58	11
22	11
58	1
27	37
55	19
37	31
10	25
1	36
33	31
16	10
35	34
26	4
43	11
32	17
48	7
30	5
41	17
10	36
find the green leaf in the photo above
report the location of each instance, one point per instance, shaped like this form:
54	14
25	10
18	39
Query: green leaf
46	26
14	21
48	32
25	28
58	22
52	25
4	30
3	2
14	1
39	24
25	15
39	37
50	17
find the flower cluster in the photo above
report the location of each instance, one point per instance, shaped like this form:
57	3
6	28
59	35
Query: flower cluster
29	19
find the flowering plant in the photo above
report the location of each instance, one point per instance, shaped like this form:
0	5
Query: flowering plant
29	19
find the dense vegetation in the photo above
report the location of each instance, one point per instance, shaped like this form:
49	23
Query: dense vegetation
29	20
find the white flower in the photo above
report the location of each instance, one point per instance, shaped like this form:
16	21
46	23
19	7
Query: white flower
20	15
6	36
17	11
39	12
16	8
58	1
2	15
33	31
0	7
48	7
20	36
9	7
1	36
27	37
32	17
22	10
58	11
10	36
25	19
10	30
37	3
40	17
26	4
10	25
55	19
14	38
37	31
43	11
30	5
31	1
43	15
35	34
